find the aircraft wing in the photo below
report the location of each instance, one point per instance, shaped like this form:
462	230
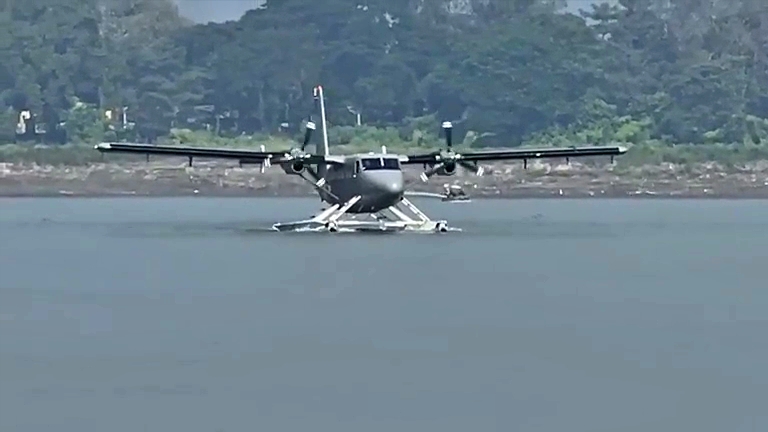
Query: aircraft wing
517	154
242	155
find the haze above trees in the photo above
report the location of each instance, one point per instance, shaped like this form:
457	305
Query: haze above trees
504	71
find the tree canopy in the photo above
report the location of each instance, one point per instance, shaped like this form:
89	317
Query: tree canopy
504	71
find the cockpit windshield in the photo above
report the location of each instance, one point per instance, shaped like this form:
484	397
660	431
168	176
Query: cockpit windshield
380	164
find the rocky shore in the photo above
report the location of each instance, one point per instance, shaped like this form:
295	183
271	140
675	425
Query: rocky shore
175	178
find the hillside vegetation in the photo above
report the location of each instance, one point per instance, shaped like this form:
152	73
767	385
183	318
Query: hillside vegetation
681	80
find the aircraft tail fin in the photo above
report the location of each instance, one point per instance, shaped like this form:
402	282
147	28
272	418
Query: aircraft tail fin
318	94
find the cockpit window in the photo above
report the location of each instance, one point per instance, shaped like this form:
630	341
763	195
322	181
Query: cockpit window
391	163
380	164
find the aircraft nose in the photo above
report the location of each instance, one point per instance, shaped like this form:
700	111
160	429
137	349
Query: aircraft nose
390	183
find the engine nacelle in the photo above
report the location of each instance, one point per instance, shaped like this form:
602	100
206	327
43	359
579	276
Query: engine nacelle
448	169
297	167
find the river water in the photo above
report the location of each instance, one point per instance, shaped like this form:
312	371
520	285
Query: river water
188	315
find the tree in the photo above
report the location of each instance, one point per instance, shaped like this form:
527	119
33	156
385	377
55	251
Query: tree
683	71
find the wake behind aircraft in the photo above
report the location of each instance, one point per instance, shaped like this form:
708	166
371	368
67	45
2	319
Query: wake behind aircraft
365	191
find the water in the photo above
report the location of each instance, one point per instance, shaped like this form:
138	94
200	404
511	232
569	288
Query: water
544	315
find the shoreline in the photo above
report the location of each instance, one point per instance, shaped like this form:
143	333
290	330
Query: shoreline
502	181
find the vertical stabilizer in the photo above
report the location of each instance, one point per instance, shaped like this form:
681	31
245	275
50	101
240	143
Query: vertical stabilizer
319	95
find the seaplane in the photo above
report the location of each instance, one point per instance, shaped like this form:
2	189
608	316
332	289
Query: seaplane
364	191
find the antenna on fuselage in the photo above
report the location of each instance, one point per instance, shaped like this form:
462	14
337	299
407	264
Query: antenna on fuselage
318	93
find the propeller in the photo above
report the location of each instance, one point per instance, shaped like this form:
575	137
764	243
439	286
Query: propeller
299	153
448	159
296	154
293	161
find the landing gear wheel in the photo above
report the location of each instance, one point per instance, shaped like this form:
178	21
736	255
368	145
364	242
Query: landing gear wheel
441	227
332	227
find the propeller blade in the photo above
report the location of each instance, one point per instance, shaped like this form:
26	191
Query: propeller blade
320	186
430	172
308	134
475	168
263	167
448	127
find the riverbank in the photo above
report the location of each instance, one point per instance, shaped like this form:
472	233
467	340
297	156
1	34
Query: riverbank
175	178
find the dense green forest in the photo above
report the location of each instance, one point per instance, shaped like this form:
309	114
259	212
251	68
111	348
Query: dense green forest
506	72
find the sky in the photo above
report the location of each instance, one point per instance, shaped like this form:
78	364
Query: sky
215	10
223	10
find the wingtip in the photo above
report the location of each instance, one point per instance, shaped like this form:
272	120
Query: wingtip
102	146
622	149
